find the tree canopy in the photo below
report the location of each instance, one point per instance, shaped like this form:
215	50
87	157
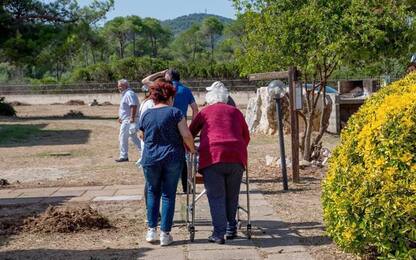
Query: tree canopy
61	41
319	36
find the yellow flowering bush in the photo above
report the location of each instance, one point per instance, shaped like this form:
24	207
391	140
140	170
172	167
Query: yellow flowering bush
369	193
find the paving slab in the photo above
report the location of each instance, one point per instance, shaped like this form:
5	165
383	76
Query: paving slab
42	192
292	256
112	187
10	195
156	252
222	253
82	188
118	198
123	191
83	198
285	244
201	243
71	193
98	193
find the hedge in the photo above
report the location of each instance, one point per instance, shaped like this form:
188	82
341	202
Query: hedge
369	193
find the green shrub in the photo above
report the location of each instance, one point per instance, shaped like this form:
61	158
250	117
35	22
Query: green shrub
101	72
81	75
44	80
6	109
137	68
369	194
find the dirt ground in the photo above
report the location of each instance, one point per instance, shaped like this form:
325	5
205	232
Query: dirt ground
78	152
67	152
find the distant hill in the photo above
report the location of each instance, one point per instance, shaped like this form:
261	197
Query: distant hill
183	23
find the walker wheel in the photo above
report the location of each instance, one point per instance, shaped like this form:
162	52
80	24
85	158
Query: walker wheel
191	230
248	231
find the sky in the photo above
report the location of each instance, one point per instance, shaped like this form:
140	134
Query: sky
168	9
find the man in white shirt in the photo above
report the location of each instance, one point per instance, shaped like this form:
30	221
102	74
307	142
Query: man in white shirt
127	117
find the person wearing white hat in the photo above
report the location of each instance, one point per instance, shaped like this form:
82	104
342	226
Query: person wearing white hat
218	85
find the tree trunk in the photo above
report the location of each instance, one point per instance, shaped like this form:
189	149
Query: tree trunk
307	152
323	123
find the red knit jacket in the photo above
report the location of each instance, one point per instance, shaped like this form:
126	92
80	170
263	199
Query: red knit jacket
224	135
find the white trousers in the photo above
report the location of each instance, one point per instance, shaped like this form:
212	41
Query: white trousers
128	130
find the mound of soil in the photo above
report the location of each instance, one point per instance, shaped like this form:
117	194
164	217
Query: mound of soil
75	103
74	114
66	220
106	103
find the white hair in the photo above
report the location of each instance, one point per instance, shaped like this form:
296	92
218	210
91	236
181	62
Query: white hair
216	96
123	82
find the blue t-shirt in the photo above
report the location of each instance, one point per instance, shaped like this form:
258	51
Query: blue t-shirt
183	97
162	141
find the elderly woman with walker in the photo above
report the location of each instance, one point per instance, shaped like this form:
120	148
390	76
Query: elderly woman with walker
224	137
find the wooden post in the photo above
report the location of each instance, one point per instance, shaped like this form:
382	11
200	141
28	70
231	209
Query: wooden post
293	123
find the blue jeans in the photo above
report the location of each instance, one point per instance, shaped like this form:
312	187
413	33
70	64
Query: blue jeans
222	182
162	181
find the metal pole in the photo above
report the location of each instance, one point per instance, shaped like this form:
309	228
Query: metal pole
282	143
293	124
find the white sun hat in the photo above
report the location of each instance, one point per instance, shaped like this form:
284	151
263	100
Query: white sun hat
216	85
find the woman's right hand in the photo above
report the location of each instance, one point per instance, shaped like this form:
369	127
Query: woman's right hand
192	150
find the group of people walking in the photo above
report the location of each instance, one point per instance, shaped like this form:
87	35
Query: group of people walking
162	126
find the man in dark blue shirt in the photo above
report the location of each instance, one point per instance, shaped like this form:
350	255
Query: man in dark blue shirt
183	97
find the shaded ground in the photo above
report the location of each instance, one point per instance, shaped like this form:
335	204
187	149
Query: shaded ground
55	155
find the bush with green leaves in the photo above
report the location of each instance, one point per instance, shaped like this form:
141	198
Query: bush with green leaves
6	109
369	193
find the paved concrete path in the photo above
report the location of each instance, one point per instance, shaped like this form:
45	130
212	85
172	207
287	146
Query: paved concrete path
271	239
70	194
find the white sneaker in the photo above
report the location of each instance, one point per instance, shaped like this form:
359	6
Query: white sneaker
165	239
151	235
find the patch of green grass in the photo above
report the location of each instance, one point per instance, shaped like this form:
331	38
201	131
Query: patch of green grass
17	133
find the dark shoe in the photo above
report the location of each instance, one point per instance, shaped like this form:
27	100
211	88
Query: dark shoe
230	235
122	160
217	240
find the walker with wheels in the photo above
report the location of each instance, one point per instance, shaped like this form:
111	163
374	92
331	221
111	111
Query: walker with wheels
194	178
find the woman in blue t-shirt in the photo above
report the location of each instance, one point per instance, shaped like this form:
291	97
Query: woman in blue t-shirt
164	131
